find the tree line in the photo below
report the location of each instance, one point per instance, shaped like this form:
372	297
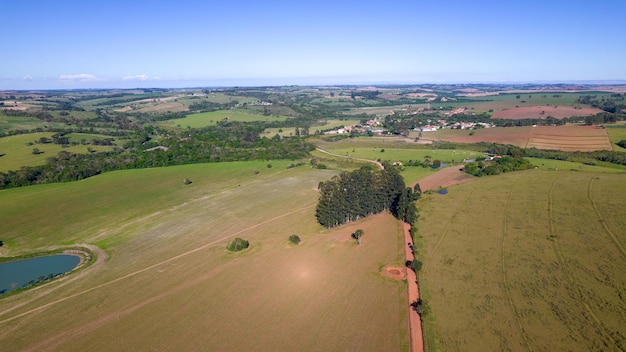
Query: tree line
224	142
350	196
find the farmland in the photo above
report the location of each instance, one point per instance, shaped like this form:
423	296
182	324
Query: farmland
568	138
18	150
525	261
212	118
506	258
167	263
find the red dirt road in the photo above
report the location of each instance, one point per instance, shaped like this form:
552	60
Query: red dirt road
415	324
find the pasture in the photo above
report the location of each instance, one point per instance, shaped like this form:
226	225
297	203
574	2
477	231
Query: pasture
404	155
204	119
290	131
616	132
170	284
530	260
11	123
18	150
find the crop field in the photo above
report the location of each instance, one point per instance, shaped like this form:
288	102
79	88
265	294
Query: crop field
168	282
17	151
530	260
211	118
569	138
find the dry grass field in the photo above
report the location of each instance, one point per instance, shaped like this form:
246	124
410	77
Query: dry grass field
170	284
526	261
504	135
569	138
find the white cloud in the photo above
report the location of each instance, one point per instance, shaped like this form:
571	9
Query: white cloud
80	77
28	78
139	78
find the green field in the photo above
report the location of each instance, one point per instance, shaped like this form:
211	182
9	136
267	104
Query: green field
10	123
508	101
290	131
529	260
617	132
17	151
551	164
404	155
204	119
170	284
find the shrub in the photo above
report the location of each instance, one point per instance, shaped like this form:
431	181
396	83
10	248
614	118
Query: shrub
237	244
294	239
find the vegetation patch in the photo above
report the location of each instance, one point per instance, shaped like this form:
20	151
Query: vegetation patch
237	245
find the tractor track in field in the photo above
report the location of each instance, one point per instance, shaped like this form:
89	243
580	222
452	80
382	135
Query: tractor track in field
505	280
110	282
608	231
573	284
447	229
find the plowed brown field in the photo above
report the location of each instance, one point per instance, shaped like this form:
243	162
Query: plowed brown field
569	138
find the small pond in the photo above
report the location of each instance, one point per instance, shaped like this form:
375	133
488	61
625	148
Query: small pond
21	273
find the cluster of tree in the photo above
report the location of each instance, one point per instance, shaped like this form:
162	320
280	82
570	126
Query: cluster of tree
224	142
613	103
497	166
237	244
211	106
357	194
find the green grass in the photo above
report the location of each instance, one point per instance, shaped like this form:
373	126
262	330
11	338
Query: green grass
617	132
290	131
82	115
551	164
508	101
10	123
404	155
18	153
528	260
78	137
211	118
168	262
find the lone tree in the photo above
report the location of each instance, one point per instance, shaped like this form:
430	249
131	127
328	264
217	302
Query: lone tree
294	239
237	244
357	235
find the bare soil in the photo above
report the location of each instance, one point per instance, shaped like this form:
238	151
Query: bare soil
443	178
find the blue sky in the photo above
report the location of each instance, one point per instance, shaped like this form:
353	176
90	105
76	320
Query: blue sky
124	44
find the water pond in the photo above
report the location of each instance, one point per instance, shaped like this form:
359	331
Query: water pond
21	273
